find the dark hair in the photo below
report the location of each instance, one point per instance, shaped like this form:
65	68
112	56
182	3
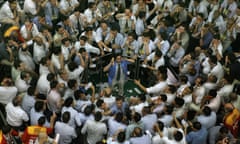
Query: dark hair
72	66
184	78
223	130
158	53
53	84
121	137
17	63
213	93
77	93
207	111
98	116
50	77
71	83
169	109
66	117
163	35
91	4
160	125
142	97
87	29
88	109
146	34
172	88
163	97
133	34
81	50
178	136
65	40
162	69
56	50
41	120
84	38
118	98
114	27
31	91
179	101
197	125
43	60
213	59
38	106
191	115
136	117
99	103
23	75
142	14
68	102
119	117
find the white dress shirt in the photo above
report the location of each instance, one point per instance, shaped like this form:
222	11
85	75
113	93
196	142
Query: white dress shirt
39	52
89	48
157	88
43	85
34	31
15	115
74	120
21	85
95	131
30	7
67	133
7	94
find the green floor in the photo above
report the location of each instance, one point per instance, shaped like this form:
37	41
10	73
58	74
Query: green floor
130	88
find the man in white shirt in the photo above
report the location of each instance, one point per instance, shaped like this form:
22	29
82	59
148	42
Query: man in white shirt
16	116
29	30
67	133
74	116
79	21
10	12
82	43
40	49
175	54
43	84
92	14
95	129
67	49
216	68
66	7
31	7
101	33
157	60
139	137
7	91
54	100
130	45
22	82
126	21
159	86
162	43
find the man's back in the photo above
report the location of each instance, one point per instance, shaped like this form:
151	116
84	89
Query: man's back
95	130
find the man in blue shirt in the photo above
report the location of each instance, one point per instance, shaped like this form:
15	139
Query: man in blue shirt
198	135
117	72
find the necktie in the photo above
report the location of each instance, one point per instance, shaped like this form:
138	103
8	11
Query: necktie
118	72
79	25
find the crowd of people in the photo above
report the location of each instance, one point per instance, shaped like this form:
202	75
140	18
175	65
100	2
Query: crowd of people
187	72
